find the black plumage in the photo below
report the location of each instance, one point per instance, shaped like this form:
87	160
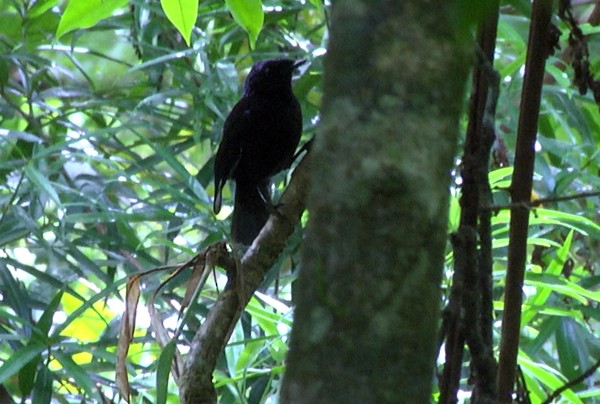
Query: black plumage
260	136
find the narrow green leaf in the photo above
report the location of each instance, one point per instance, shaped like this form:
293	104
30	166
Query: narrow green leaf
248	355
36	177
555	267
27	375
99	217
500	174
171	159
45	322
571	348
42	393
109	289
182	14
563	286
546	375
86	13
233	351
318	4
249	15
18	359
258	312
162	372
40	7
15	294
78	373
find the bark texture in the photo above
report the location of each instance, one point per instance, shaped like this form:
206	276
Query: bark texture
368	302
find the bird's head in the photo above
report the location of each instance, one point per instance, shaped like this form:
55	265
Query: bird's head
271	75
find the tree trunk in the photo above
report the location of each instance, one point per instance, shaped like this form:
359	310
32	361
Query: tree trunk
368	301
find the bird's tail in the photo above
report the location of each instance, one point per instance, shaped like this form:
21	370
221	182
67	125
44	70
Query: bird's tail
251	210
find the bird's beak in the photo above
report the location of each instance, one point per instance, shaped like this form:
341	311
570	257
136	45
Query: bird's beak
299	63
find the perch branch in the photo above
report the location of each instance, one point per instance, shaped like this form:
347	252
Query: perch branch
196	382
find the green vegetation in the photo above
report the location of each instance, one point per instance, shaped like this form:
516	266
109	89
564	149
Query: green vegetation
109	122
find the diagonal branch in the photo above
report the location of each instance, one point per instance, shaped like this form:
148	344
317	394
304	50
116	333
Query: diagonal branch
196	382
571	383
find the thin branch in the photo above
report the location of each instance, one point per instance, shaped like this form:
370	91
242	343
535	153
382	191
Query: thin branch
572	383
464	317
481	344
538	48
537	202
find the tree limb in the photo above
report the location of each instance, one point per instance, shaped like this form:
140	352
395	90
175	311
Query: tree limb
196	382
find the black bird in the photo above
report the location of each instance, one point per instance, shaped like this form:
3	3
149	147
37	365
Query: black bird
260	136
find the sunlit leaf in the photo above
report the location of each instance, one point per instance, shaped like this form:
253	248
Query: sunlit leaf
182	14
249	15
86	13
547	376
543	293
78	373
40	7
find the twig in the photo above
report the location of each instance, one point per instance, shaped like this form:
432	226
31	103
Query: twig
572	383
537	202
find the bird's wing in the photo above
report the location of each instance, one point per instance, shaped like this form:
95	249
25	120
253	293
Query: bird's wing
230	148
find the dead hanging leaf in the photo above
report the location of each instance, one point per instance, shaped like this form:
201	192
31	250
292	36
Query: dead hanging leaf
199	275
202	265
132	297
195	282
164	339
160	332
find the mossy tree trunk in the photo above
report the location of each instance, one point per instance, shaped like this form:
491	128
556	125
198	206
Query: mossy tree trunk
369	291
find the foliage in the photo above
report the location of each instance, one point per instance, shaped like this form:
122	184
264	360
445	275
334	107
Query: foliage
106	143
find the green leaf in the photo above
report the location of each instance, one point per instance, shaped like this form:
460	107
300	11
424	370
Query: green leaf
4	73
318	4
545	375
563	286
571	348
86	13
40	7
45	322
37	178
39	336
42	393
19	359
249	15
162	372
27	375
543	292
182	14
78	373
